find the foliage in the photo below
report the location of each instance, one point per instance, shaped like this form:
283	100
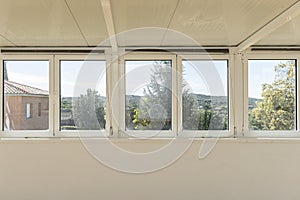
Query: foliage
201	112
154	110
5	72
276	110
206	116
65	105
89	111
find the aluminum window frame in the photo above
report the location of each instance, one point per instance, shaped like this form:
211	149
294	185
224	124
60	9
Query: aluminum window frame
28	133
146	56
230	91
77	133
237	94
277	133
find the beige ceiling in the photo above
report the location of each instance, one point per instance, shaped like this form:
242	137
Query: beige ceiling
288	34
82	22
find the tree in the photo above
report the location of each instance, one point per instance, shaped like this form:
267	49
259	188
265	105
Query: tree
154	109
276	110
190	112
201	112
89	111
5	72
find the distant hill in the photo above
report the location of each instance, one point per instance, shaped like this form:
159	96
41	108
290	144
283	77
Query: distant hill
218	105
66	102
216	102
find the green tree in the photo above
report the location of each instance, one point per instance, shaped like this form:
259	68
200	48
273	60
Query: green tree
205	116
154	109
5	72
190	112
89	111
276	110
202	112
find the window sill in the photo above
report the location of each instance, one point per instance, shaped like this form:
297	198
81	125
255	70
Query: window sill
149	140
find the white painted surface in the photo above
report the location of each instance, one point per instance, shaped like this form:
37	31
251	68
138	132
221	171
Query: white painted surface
81	23
287	34
62	169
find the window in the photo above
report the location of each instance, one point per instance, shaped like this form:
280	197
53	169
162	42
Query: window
25	83
82	95
149	95
205	95
28	110
272	95
39	109
148	98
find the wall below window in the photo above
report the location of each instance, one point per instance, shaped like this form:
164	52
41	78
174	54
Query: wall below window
235	169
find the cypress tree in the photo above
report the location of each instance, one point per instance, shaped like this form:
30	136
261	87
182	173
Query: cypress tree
5	72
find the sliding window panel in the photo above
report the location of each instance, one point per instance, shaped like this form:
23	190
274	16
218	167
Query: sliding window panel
82	99
27	96
205	109
150	96
272	109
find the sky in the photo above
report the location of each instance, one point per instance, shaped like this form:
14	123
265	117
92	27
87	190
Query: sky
138	75
206	76
82	75
36	74
203	77
260	72
32	73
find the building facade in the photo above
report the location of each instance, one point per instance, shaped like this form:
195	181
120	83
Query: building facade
25	107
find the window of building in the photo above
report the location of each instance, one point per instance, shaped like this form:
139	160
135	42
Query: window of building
272	95
82	95
149	95
39	109
28	110
25	82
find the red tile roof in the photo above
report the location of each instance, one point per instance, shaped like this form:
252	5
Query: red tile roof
20	89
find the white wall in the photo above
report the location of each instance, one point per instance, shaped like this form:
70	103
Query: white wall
63	169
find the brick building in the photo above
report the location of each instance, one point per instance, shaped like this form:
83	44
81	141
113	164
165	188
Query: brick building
25	107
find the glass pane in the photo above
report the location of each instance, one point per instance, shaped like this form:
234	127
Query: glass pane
26	85
204	95
271	94
82	95
148	95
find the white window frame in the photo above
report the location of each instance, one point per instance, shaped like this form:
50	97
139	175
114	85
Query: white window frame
137	56
77	133
29	133
230	75
236	89
271	56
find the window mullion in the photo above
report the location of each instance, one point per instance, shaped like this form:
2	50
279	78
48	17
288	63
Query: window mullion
1	95
179	95
52	95
297	94
237	78
115	87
